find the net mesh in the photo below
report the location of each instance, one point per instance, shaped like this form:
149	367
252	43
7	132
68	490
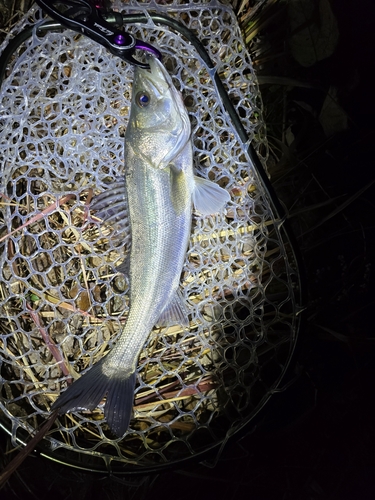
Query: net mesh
64	108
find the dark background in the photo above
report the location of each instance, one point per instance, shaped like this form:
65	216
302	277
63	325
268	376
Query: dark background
315	440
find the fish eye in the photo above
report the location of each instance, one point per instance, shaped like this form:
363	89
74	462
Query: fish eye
142	99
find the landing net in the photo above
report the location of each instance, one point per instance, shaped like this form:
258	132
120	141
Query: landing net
63	111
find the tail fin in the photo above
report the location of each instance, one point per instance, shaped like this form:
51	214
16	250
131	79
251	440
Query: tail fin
88	391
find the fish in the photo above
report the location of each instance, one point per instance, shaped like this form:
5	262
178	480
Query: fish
160	192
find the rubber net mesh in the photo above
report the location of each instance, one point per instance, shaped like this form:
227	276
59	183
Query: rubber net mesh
64	108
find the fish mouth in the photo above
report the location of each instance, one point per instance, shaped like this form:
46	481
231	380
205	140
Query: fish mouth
172	118
156	77
159	72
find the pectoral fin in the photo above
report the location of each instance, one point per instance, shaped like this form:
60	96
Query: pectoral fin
179	190
208	197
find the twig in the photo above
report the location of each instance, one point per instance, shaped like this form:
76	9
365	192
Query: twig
340	208
49	343
17	461
40	215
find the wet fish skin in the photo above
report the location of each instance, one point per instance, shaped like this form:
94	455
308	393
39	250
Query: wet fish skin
160	190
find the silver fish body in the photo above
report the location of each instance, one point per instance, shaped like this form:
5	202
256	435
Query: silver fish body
160	191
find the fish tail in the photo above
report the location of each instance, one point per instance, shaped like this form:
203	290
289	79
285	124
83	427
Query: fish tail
118	409
89	390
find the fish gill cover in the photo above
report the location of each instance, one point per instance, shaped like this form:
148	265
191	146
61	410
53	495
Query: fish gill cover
64	109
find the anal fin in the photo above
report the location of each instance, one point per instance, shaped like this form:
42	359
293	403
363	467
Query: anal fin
124	267
175	312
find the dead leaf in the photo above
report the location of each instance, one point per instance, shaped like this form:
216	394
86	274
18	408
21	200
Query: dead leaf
289	136
332	117
314	29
